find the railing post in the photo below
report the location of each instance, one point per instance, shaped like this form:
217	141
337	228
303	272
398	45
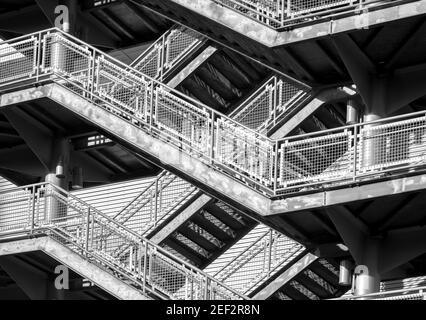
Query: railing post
274	100
38	59
270	252
288	9
33	204
151	107
206	289
156	202
162	57
139	257
275	171
211	140
92	74
145	266
355	153
87	230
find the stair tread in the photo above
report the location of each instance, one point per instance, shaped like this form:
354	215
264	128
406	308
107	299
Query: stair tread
186	251
313	286
197	238
211	228
223	216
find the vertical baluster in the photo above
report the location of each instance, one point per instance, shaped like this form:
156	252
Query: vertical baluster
33	204
288	9
156	201
212	136
145	266
206	289
87	230
270	252
355	153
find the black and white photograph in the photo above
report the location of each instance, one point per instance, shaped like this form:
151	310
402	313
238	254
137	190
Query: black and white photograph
245	154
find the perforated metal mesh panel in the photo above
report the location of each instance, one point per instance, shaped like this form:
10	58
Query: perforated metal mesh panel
18	59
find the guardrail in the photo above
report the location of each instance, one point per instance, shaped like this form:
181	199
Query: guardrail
267	104
260	260
290	13
168	51
273	167
44	209
155	203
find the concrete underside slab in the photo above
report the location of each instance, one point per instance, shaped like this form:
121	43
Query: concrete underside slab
67	257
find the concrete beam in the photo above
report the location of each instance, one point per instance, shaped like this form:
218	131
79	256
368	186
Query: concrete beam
38	137
349	194
21	159
181	218
29	279
48	9
273	38
286	277
92	170
351	229
78	264
400	246
190	67
382	92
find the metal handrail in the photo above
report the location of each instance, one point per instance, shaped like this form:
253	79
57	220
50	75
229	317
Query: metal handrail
272	167
155	56
264	245
85	226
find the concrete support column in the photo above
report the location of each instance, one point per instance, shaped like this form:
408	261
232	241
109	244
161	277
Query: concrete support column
58	176
366	273
365	250
365	281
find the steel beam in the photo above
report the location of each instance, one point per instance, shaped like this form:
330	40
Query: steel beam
181	218
286	276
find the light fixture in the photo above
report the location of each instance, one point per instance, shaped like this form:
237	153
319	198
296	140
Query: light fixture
60	172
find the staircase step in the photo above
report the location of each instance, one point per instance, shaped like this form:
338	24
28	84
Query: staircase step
293	293
198	239
324	273
186	251
315	287
211	228
223	216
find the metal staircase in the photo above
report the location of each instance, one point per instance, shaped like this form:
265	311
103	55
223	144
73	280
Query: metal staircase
206	136
173	48
46	210
208	233
211	230
156	203
317	280
257	257
196	132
